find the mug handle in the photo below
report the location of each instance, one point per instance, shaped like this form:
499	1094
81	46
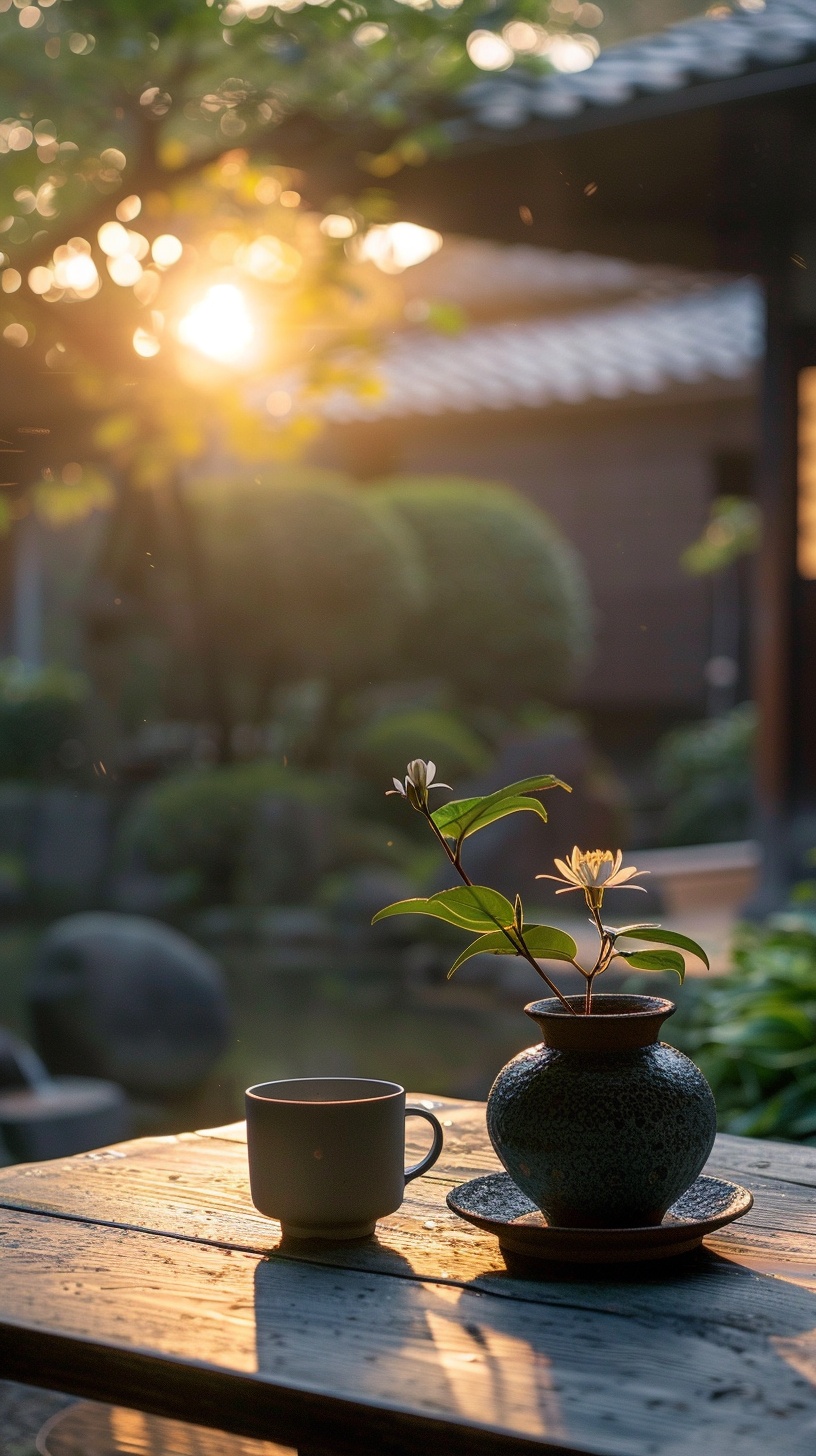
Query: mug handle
431	1157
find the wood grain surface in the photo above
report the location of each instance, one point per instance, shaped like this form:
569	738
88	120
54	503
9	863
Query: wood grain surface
142	1275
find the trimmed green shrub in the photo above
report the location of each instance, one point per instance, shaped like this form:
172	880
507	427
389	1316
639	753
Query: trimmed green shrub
753	1033
506	610
200	823
309	579
705	772
395	738
39	712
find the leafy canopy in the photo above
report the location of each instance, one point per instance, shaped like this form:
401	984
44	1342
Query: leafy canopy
192	121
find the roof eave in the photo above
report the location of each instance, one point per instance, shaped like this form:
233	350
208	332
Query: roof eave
647	107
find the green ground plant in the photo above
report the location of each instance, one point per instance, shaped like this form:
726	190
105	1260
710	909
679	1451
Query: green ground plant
40	715
753	1033
704	774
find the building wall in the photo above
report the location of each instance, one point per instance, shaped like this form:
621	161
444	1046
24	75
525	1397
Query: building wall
630	485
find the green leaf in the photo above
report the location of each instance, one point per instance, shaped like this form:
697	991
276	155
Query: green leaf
655	960
477	906
543	941
659	936
471	907
461	817
495	944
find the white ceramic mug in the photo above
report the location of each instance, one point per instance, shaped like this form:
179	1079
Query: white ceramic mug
327	1154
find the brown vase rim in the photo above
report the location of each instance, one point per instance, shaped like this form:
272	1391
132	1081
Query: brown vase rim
619	1006
616	1023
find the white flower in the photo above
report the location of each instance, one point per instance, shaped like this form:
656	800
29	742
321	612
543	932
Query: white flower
418	780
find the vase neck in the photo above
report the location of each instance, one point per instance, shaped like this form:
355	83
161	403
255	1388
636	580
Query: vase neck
616	1023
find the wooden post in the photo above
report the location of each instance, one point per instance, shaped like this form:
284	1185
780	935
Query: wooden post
773	657
785	621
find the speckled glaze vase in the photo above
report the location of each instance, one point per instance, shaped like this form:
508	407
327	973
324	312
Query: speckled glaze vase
602	1125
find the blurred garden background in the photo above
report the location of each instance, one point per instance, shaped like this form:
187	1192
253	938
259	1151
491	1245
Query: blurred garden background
299	489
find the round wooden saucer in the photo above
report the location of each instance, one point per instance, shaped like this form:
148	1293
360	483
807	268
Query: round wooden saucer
495	1203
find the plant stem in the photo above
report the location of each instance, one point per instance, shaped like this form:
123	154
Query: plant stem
516	938
605	951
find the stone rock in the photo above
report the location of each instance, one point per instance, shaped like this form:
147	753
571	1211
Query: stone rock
128	999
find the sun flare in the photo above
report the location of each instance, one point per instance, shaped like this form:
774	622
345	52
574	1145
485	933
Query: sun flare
219	325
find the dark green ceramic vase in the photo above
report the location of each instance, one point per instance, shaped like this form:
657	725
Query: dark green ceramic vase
602	1125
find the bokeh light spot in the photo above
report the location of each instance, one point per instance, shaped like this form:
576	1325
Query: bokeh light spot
270	260
40	280
337	225
129	208
488	51
125	270
399	245
113	239
278	403
166	250
145	343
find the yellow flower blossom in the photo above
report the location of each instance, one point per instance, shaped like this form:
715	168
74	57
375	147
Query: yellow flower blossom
594	871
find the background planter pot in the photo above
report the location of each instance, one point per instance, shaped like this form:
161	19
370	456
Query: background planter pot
601	1125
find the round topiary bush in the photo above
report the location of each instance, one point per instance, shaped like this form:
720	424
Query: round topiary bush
383	746
201	824
39	711
506	612
309	578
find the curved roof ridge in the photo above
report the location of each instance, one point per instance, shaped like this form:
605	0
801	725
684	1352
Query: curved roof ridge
633	348
712	47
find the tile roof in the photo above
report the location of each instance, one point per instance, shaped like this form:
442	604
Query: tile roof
779	34
493	281
637	348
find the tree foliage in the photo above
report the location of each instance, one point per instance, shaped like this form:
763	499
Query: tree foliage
236	127
194	121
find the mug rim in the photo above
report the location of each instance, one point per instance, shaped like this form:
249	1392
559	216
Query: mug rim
258	1092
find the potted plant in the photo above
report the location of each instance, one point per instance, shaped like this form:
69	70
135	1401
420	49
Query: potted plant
601	1125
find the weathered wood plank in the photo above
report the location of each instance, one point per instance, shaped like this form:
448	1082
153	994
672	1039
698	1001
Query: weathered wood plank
197	1188
295	1352
468	1152
790	1162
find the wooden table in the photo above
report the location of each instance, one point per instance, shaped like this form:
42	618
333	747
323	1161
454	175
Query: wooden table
142	1275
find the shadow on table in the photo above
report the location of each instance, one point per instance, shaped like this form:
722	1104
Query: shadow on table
696	1345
